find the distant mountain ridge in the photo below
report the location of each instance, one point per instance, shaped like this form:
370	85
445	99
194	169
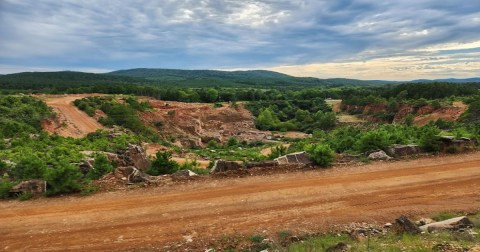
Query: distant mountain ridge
187	78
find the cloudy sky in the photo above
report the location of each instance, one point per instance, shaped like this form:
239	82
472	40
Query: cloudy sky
363	39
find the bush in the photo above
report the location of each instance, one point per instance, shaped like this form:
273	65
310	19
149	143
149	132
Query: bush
101	166
232	141
373	140
62	179
163	165
430	139
5	187
321	154
29	167
25	196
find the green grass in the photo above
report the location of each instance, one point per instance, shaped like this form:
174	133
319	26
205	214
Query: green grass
392	242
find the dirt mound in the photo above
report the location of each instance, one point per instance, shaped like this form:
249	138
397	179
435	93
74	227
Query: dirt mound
195	124
70	121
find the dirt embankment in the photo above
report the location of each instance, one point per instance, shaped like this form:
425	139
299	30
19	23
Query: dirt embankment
195	213
70	121
422	115
195	124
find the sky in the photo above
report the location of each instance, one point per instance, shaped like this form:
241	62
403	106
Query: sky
361	39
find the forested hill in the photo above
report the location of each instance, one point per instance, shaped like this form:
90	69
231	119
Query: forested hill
178	74
233	78
61	80
168	77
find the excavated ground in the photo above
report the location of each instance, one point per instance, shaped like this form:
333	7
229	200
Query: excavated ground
70	121
194	213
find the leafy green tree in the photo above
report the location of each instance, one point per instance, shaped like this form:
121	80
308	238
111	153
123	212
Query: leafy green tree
163	165
266	120
321	154
101	166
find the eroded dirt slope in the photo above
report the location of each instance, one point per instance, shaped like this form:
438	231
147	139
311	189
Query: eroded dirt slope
195	124
301	202
70	121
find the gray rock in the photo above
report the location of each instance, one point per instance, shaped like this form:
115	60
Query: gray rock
405	225
133	175
399	150
184	174
379	155
223	166
294	158
450	224
34	186
136	156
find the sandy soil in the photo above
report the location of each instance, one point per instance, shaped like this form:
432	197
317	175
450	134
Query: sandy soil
335	104
70	121
301	202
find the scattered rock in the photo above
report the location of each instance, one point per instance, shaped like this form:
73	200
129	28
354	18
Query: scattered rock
294	158
450	224
223	166
133	175
424	221
34	186
136	156
388	225
379	155
340	247
447	247
405	225
399	150
184	174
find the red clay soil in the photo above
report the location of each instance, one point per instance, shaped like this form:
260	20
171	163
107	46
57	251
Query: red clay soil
195	124
302	202
70	121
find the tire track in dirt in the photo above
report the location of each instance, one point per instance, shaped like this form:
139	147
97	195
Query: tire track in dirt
309	202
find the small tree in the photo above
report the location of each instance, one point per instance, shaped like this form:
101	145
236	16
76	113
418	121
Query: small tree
321	154
163	165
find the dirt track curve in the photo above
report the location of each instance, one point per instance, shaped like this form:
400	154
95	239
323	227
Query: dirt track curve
76	122
302	202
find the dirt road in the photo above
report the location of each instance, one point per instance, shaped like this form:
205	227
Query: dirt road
301	202
72	121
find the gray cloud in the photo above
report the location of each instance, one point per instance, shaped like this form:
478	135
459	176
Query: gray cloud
228	34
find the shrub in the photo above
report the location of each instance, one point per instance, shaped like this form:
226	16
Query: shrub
163	165
373	140
430	139
101	166
321	154
25	196
29	167
63	178
5	187
232	141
